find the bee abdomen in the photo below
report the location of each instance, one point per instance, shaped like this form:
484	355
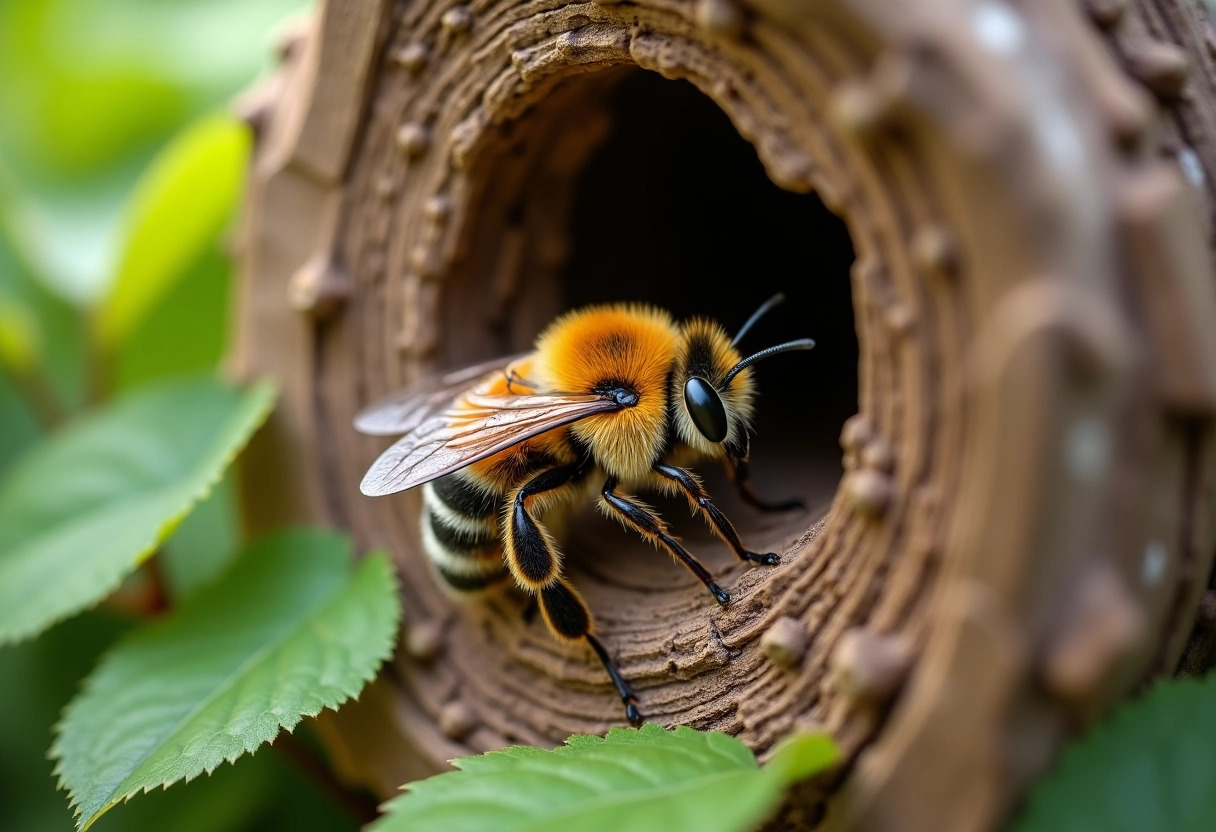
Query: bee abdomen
460	533
460	538
466	498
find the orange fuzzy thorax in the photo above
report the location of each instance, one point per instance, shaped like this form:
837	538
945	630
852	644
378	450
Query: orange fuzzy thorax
631	345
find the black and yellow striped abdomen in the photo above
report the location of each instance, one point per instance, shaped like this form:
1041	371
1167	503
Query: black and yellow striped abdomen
460	531
464	512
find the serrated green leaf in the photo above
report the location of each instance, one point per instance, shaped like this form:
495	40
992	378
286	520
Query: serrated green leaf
84	507
288	631
636	779
178	208
1150	768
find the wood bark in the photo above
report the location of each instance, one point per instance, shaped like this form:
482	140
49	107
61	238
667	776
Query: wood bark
1016	531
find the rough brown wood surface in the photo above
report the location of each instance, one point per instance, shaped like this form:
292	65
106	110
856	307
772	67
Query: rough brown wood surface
1022	533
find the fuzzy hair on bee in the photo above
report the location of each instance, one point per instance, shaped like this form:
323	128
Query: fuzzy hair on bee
612	399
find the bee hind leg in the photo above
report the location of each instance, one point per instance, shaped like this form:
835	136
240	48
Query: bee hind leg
535	561
650	526
700	502
568	619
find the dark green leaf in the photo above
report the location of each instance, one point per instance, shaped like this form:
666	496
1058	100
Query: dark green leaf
641	780
1150	768
205	544
85	506
185	333
290	630
37	678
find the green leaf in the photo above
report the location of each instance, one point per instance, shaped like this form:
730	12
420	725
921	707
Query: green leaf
186	332
178	208
636	779
1150	768
40	334
19	346
204	546
290	630
86	506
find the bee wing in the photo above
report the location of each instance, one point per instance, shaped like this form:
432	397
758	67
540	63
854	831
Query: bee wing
403	411
479	427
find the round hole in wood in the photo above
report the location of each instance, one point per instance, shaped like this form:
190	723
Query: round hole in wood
621	185
703	231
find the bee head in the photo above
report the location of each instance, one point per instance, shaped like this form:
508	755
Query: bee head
716	383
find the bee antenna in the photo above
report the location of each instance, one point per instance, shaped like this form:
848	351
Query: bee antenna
789	346
757	315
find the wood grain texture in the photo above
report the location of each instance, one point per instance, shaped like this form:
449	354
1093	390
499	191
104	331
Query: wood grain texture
1022	532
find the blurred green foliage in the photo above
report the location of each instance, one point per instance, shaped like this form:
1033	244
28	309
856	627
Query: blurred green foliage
87	505
99	235
293	628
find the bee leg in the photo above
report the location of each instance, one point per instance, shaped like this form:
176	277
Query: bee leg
650	526
627	695
570	620
700	501
741	475
530	551
535	562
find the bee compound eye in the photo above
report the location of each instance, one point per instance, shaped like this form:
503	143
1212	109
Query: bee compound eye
706	409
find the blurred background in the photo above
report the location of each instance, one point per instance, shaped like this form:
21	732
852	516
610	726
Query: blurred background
114	116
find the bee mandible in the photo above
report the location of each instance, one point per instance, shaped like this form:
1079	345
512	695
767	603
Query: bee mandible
612	399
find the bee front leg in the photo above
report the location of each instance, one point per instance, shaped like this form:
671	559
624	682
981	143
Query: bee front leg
648	524
695	492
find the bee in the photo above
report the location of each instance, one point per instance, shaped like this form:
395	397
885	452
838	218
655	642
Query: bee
612	399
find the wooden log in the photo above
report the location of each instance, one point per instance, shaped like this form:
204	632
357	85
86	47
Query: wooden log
1014	530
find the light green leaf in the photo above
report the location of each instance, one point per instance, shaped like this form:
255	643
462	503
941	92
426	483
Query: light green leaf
1150	768
18	337
636	779
178	208
85	506
290	630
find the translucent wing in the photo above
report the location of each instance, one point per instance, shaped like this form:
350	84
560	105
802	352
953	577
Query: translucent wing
408	408
475	427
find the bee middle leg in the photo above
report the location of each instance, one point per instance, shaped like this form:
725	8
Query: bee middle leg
699	499
534	560
650	526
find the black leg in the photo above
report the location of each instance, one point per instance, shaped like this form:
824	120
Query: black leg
700	501
741	475
649	526
622	687
534	560
531	553
569	619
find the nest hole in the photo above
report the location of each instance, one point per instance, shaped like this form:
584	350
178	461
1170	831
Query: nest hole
695	225
671	207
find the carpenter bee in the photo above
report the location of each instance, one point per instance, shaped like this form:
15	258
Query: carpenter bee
612	399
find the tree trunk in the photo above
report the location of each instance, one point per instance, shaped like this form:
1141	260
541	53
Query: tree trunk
995	219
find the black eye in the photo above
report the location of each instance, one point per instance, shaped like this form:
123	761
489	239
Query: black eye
705	408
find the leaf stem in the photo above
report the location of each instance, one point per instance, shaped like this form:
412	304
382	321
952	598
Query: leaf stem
361	807
97	361
145	596
41	397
